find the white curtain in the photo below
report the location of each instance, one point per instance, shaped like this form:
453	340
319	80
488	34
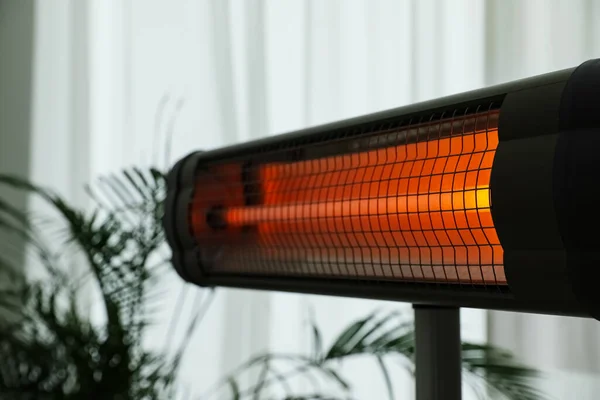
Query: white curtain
112	77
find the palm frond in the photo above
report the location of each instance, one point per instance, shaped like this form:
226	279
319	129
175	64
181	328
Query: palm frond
501	372
234	387
386	377
116	241
14	221
346	341
8	211
316	337
377	334
380	335
57	350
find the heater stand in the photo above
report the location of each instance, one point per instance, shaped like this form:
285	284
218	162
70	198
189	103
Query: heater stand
438	353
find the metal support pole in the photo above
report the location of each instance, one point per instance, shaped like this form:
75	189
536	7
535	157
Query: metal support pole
438	353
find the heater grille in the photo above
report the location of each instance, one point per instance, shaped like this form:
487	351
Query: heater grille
405	201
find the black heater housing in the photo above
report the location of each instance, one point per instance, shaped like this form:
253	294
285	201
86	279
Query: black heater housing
543	200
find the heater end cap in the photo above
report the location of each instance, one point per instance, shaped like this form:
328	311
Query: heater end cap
180	181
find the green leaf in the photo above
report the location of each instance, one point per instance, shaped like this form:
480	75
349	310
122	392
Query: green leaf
346	339
400	339
333	374
19	183
122	189
281	379
378	323
386	376
375	335
136	178
260	383
501	372
13	212
234	387
91	192
316	337
21	230
118	198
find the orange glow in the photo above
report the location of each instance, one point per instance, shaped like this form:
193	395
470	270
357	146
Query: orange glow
416	211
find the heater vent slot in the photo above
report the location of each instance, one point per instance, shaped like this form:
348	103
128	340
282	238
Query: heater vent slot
406	200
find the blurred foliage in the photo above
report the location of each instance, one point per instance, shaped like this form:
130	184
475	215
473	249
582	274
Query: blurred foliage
385	337
49	347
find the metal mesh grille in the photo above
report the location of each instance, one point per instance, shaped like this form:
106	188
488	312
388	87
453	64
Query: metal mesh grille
409	201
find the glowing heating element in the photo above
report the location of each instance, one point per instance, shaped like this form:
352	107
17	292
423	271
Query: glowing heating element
410	203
